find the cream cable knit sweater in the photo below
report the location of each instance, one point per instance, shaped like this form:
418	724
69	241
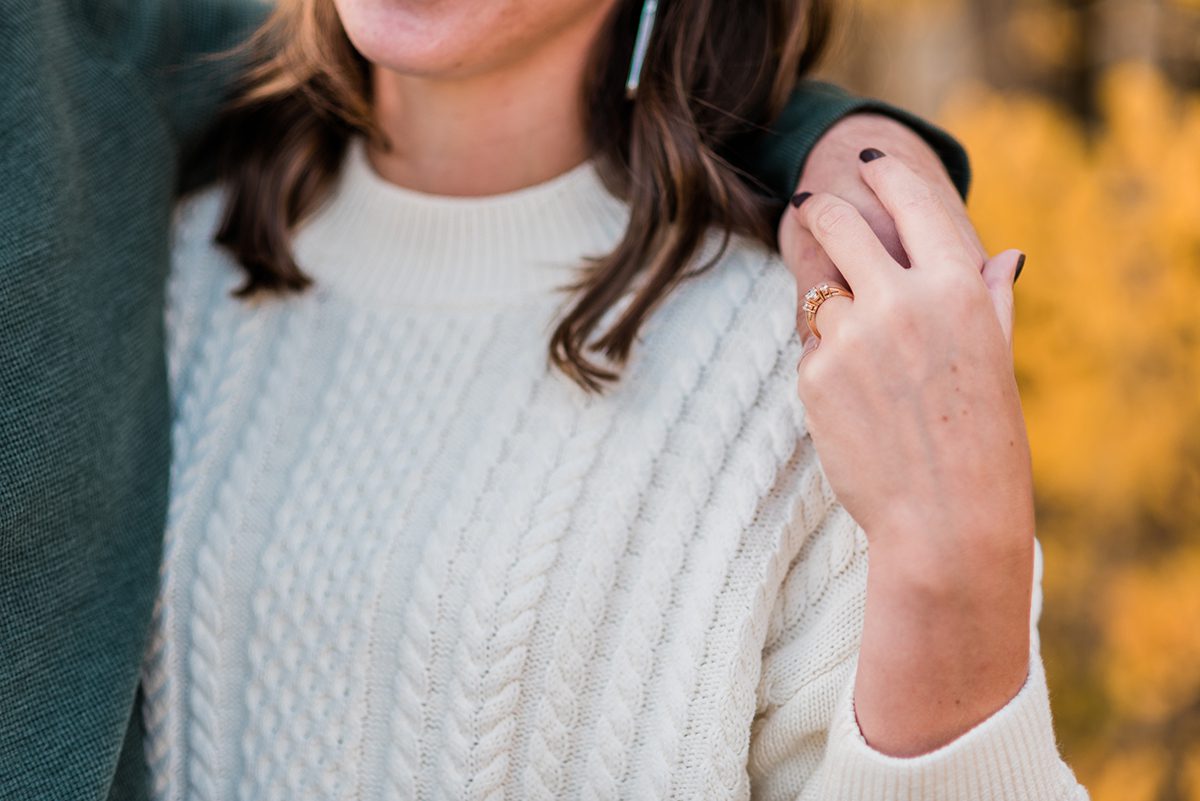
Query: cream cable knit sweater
405	560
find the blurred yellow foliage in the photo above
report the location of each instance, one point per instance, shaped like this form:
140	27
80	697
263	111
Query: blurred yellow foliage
1191	777
1109	306
1134	776
1108	356
1152	654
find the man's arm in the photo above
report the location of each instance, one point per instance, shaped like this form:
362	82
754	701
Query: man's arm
814	146
171	44
815	111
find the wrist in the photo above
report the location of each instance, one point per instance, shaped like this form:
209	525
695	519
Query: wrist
943	554
957	570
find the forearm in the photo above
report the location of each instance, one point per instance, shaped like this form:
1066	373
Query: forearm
946	639
808	744
953	673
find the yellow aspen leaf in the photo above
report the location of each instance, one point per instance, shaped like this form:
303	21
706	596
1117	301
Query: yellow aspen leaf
1133	776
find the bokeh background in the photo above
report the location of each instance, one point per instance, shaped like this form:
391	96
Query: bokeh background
1083	121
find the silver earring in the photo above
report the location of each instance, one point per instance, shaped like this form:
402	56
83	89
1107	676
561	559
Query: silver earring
640	46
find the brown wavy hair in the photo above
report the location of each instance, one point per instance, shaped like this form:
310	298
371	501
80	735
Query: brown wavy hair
716	73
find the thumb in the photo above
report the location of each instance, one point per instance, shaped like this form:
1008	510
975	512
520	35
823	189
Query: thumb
999	274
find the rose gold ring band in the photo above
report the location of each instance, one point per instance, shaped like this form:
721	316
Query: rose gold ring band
813	299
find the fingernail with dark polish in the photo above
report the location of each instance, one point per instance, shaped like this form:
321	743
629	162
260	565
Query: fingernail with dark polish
870	154
1020	264
799	198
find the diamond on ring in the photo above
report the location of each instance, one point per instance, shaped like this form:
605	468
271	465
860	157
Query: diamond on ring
813	299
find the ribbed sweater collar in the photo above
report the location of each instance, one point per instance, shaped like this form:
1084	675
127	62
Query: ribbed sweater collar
379	243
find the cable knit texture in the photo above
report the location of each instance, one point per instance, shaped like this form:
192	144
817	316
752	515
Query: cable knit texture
407	560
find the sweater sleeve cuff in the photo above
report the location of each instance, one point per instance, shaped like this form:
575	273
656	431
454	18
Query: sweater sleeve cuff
815	108
1011	756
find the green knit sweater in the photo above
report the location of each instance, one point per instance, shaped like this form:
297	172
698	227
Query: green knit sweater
98	99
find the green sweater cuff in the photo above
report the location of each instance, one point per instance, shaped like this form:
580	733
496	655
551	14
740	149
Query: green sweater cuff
813	109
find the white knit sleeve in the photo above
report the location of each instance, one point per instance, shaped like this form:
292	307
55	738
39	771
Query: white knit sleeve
806	743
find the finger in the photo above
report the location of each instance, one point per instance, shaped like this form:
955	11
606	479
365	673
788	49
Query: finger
830	316
861	197
848	240
883	225
929	233
805	259
966	229
999	273
809	264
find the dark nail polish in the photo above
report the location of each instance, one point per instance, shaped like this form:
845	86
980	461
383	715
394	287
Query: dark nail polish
799	198
870	154
1020	265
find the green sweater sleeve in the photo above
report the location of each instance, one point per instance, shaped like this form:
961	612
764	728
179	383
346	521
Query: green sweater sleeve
171	45
777	158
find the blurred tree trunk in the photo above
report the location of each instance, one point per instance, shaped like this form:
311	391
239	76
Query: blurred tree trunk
912	54
991	22
1127	30
1009	32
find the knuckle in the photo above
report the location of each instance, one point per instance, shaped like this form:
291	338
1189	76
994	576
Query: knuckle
921	200
804	388
960	291
804	384
811	379
831	217
897	313
854	338
893	306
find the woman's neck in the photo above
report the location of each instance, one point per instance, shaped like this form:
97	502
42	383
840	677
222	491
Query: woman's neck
509	127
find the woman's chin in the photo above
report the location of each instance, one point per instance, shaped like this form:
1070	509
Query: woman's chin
458	38
406	41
